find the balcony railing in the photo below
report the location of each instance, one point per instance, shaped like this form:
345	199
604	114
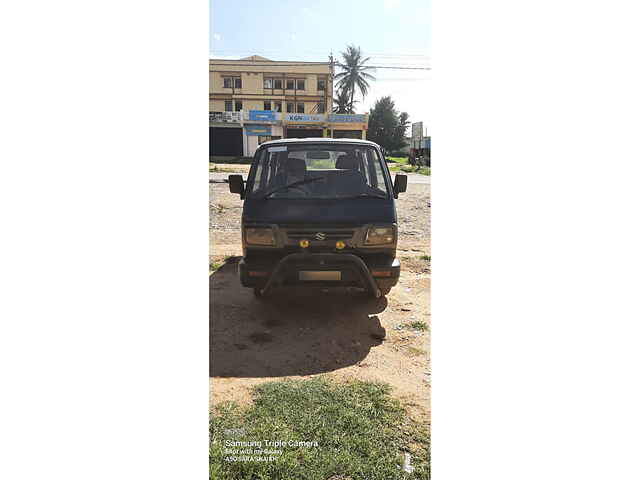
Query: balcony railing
268	116
225	117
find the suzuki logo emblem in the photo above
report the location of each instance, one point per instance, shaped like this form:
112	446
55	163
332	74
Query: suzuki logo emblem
320	236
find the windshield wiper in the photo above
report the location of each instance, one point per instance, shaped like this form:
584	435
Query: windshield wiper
289	185
364	195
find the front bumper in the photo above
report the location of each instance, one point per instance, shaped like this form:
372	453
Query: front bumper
354	272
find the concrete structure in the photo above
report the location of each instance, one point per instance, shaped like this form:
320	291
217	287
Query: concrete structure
254	99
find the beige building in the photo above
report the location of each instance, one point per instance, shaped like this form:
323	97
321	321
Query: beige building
256	83
254	99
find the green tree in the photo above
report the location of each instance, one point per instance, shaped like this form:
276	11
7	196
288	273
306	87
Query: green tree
343	103
387	127
354	73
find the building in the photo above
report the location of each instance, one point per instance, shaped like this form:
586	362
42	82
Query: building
254	99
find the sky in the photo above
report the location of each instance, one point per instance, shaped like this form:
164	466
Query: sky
391	32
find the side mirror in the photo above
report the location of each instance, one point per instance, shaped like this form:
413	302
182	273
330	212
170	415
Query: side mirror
236	184
399	184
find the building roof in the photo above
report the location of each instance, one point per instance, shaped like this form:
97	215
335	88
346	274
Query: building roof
256	57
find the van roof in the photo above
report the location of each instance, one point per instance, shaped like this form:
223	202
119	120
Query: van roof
319	140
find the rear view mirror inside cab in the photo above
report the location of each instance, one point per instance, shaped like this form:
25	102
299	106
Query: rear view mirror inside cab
318	155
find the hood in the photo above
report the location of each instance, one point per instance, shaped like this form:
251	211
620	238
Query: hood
291	211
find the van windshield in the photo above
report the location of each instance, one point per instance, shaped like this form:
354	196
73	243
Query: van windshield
318	171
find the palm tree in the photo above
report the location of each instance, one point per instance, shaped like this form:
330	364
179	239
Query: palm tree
342	102
354	74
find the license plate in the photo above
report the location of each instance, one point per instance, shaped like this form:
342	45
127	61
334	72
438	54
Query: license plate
322	275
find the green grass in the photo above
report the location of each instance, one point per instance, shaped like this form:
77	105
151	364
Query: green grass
417	325
215	266
230	159
426	257
398	160
410	169
362	433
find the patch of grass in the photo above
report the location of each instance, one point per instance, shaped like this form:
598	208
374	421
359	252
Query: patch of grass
417	325
415	352
361	431
426	257
213	267
231	159
410	169
398	160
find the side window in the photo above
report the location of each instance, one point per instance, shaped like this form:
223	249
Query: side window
227	82
268	83
378	181
238	105
237	82
289	107
290	85
277	84
258	178
300	108
228	106
300	84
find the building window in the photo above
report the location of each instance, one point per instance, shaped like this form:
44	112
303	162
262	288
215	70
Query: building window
278	106
300	84
228	106
290	84
300	108
238	105
277	84
268	83
289	107
237	82
228	82
321	85
267	105
320	108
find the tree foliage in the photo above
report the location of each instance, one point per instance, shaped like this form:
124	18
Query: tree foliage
387	127
343	103
354	75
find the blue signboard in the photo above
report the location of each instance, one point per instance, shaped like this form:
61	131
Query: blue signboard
345	118
262	115
257	130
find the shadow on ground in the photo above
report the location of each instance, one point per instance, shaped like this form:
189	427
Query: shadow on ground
293	332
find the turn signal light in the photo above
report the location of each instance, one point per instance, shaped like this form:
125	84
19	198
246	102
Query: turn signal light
304	243
340	245
258	274
381	273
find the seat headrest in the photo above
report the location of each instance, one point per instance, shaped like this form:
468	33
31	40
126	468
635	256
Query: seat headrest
296	167
347	162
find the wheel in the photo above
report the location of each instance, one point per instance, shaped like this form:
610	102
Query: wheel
384	291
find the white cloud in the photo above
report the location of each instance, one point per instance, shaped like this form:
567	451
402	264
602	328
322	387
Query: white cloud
217	37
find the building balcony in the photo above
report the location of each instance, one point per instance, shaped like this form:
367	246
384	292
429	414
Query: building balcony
327	120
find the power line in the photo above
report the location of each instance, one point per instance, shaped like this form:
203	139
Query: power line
270	63
318	52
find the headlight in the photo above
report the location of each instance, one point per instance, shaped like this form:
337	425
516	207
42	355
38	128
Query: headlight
380	236
259	236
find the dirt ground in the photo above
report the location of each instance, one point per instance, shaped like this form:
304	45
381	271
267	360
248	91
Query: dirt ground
299	333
